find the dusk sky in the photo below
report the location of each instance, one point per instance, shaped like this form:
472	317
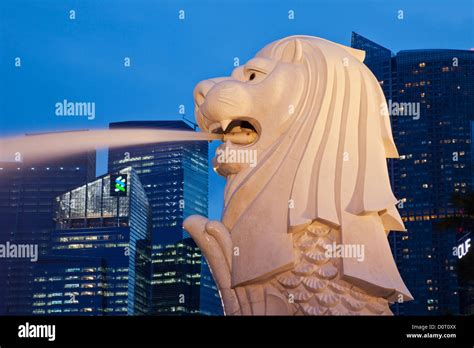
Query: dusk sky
82	60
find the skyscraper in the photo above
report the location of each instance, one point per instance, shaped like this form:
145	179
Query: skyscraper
175	178
100	257
430	94
27	191
378	59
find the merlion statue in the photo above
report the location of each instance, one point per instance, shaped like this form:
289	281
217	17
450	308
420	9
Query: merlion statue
316	120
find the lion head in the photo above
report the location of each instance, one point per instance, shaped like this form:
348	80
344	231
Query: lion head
316	119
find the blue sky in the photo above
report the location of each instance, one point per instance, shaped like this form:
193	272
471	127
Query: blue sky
83	59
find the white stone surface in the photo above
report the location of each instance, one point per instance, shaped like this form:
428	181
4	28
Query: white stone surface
314	118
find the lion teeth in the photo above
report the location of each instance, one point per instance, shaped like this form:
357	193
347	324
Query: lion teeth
225	124
240	138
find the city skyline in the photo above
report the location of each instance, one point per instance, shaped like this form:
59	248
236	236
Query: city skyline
141	64
195	166
77	59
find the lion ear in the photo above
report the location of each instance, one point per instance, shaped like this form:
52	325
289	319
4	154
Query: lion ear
293	52
358	54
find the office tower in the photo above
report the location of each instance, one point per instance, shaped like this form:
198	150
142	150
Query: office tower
176	278
175	178
432	107
100	256
27	191
378	59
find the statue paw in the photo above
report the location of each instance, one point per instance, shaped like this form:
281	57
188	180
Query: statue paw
195	225
222	235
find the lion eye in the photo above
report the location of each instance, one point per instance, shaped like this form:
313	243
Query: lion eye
252	76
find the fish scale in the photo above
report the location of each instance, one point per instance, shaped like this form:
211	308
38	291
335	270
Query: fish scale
314	285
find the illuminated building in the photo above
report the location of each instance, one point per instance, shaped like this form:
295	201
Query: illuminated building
175	178
27	192
436	161
100	256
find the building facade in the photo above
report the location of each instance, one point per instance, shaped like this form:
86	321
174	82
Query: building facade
175	178
27	192
430	94
100	258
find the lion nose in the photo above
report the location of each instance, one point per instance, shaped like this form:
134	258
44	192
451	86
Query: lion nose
201	91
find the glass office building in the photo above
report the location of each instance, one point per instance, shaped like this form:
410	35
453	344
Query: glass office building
100	257
436	161
27	192
176	278
175	178
378	59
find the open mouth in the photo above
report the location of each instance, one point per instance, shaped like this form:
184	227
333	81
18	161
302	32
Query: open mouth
241	132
